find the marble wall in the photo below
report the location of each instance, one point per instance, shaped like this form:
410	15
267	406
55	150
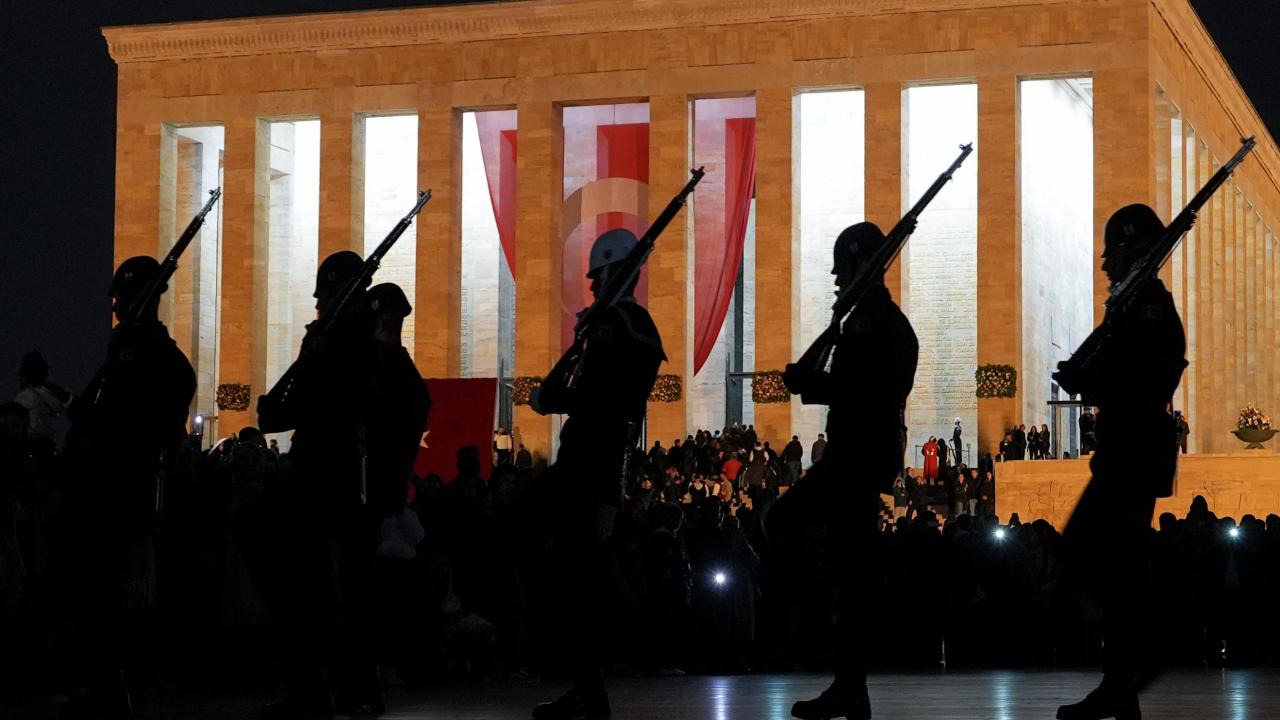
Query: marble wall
1057	233
940	268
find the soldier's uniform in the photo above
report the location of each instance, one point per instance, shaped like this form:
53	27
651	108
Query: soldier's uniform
606	408
126	428
398	408
326	406
1131	379
873	368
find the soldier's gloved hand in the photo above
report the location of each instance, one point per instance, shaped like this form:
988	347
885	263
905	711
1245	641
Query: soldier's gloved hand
796	378
1068	377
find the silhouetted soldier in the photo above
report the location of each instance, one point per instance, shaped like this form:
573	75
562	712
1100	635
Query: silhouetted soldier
395	413
326	406
1131	379
1088	438
125	430
606	405
872	370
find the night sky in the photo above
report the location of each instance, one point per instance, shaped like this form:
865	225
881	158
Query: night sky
58	153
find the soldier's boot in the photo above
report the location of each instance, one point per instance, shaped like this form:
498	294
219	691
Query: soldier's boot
308	700
837	701
1109	700
577	704
364	696
106	699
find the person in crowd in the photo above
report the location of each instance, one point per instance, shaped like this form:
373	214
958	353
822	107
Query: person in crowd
501	446
957	446
1046	444
16	471
1008	448
1088	440
615	373
657	456
1183	430
944	459
1020	442
770	455
962	491
674	455
793	459
986	493
524	458
819	447
126	429
323	398
930	452
1033	443
1131	377
732	467
872	371
46	402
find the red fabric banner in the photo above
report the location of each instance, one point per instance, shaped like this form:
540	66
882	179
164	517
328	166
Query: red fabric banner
724	142
463	412
606	186
497	131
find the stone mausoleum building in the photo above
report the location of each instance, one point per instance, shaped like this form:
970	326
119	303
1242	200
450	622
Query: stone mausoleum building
539	123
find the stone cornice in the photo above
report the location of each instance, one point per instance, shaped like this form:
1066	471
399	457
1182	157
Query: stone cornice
1221	81
486	21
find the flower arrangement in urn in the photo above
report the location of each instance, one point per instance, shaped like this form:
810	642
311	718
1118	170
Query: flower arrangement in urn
1253	427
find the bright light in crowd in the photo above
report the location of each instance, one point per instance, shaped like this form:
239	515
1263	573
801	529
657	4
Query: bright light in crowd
999	533
721	578
199	419
1234	533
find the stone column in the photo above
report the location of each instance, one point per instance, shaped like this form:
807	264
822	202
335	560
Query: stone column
1251	304
777	253
883	187
1121	160
1200	421
137	210
669	263
243	313
539	257
341	176
1217	321
999	251
438	275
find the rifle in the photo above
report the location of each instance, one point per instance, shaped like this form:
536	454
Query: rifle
628	269
269	418
330	314
152	291
170	263
819	353
1123	293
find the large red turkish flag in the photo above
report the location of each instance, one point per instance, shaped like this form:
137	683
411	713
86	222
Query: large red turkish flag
463	412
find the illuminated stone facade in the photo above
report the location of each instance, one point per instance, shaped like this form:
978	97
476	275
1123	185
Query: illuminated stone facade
1164	108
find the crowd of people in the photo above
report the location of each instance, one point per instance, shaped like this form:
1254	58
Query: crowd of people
1019	443
462	583
718	554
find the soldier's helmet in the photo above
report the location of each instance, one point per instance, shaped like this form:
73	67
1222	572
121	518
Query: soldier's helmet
609	248
33	368
1131	226
387	299
133	276
855	244
336	271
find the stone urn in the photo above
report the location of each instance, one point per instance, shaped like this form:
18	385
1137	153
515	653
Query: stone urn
1254	437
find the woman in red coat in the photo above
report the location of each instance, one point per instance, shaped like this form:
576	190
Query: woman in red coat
931	459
